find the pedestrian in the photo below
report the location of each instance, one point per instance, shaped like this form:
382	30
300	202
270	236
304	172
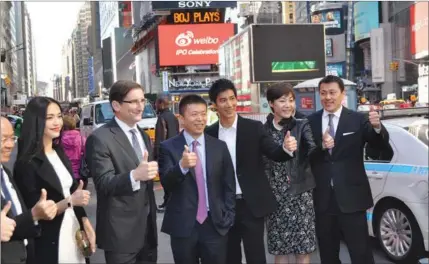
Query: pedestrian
120	160
42	164
247	142
197	170
343	194
292	239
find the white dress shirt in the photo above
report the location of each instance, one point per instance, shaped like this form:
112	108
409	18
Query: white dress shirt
229	136
126	128
201	150
13	194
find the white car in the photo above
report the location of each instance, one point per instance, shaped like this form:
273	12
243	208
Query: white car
399	184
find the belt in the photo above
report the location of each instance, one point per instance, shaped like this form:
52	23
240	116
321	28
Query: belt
238	196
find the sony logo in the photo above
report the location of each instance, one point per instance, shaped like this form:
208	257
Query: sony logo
194	4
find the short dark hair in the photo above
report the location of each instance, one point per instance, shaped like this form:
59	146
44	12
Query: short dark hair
190	99
220	86
332	79
278	90
120	89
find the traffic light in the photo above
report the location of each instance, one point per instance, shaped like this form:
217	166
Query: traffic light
394	66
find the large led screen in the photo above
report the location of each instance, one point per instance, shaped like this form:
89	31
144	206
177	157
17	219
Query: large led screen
297	53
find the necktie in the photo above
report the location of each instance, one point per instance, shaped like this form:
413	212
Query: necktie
136	145
199	174
331	128
6	193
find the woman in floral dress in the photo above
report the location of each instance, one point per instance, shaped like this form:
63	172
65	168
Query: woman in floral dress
291	228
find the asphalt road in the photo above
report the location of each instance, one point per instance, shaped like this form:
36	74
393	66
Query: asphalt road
164	250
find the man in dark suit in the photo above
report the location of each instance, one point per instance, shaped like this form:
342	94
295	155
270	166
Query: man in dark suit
167	126
118	157
19	247
247	141
197	169
342	194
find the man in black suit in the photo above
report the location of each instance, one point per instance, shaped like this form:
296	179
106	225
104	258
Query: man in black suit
247	141
342	194
19	247
118	157
167	126
197	169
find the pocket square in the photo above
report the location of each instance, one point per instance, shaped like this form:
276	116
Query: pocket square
348	133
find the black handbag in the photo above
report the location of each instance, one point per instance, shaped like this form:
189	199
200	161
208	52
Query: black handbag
83	170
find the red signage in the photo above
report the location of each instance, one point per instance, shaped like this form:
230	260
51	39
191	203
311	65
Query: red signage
191	44
307	103
419	29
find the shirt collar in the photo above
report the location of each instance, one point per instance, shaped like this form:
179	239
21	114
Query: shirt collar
234	125
336	113
189	139
126	128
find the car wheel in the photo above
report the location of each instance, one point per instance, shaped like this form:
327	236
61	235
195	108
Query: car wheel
399	234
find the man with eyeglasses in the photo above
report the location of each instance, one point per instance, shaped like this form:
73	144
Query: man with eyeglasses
120	159
18	225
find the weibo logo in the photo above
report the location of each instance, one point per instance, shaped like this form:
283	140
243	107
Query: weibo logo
184	39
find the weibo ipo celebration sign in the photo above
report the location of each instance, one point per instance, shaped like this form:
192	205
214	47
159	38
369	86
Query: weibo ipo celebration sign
192	44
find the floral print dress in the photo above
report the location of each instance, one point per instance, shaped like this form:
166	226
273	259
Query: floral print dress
291	228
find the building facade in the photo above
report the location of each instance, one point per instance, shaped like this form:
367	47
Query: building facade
67	70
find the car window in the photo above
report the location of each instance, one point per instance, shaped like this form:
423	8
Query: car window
104	112
382	154
420	131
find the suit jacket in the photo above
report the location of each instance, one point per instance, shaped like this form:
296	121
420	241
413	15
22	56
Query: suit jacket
122	213
346	164
34	175
252	143
15	251
181	210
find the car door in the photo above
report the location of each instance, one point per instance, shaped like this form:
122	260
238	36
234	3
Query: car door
378	164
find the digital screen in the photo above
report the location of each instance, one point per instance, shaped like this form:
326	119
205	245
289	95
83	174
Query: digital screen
328	48
196	17
293	66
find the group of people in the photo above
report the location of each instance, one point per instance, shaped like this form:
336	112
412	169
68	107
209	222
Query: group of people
301	178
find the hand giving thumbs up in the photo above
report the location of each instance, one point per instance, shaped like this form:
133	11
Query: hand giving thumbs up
327	140
7	224
290	142
189	159
44	209
147	170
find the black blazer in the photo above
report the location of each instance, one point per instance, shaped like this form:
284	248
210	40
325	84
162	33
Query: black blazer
34	175
346	164
122	214
253	142
14	251
181	211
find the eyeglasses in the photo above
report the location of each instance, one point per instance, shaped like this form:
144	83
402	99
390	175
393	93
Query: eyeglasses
10	139
135	102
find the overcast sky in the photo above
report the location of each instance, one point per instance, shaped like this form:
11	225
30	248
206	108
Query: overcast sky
52	24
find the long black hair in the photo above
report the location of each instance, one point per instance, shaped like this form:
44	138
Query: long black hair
30	142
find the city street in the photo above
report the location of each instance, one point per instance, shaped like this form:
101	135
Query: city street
164	250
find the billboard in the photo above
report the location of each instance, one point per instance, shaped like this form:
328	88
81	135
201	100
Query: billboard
192	44
330	18
171	5
329	52
377	58
298	52
419	29
366	18
197	16
336	69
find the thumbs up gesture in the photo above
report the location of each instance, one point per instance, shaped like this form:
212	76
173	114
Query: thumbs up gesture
374	118
290	142
189	159
147	170
327	140
7	224
80	197
44	209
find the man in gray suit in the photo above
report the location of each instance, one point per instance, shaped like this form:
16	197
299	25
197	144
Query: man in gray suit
119	157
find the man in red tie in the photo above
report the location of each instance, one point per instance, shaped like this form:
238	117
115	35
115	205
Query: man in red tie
198	172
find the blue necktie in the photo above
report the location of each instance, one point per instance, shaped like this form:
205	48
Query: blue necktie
6	193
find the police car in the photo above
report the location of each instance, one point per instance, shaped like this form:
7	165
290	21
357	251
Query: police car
399	184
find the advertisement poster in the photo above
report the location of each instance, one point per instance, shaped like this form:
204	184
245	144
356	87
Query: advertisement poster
331	18
192	44
366	18
419	29
336	69
297	54
307	103
329	52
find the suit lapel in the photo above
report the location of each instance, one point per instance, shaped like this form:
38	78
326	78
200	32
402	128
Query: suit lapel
239	142
47	172
317	128
209	148
12	181
123	141
179	146
147	144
